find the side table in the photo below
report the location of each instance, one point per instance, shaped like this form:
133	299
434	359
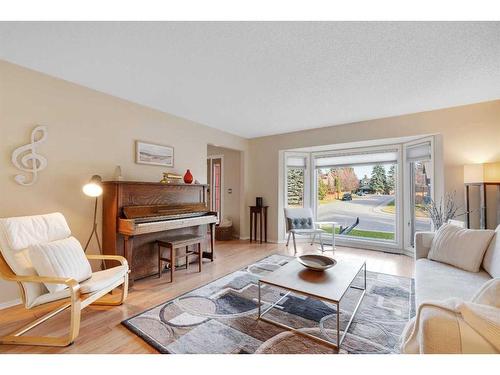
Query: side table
258	213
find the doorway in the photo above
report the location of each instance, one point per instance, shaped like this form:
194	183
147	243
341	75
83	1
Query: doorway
215	183
225	183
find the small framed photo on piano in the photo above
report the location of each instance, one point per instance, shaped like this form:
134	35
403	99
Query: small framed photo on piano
154	154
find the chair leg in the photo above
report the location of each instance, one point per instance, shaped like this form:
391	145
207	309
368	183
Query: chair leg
288	238
314	237
294	244
15	337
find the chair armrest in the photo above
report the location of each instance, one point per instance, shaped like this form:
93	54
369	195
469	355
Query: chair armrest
423	242
118	258
72	284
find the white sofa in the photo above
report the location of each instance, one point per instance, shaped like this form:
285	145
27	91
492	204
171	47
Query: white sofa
438	281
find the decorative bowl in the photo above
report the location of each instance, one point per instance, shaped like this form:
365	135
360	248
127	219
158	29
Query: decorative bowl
316	262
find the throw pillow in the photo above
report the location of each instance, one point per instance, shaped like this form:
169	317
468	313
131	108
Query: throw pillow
61	258
459	247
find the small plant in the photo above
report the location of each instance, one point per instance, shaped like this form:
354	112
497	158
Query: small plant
442	212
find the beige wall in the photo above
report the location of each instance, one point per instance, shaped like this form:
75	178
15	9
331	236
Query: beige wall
88	133
471	134
232	204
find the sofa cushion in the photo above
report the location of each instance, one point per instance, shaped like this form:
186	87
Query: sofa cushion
462	248
17	234
438	281
491	260
62	258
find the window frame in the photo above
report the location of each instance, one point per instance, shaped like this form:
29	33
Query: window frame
408	178
372	244
307	192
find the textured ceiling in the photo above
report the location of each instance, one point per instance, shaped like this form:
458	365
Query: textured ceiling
258	78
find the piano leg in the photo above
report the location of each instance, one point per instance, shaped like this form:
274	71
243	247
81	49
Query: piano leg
212	241
128	245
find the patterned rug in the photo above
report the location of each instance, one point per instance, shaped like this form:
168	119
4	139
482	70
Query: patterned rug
220	317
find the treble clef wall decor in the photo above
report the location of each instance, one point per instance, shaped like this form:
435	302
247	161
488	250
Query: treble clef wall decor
26	158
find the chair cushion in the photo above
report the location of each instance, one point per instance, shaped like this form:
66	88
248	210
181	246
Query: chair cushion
17	234
61	258
103	279
98	281
22	232
300	223
462	248
491	260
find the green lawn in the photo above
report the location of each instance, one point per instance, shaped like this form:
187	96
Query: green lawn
363	233
390	208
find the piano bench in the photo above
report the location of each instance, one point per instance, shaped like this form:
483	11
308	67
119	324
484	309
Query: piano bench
177	242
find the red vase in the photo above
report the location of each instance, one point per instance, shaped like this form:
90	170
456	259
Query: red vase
188	177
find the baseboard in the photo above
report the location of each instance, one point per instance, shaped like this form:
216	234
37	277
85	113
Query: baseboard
7	304
246	238
409	253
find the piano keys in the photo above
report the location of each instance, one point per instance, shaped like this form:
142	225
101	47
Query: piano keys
137	214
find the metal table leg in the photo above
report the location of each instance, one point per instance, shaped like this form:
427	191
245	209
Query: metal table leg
340	338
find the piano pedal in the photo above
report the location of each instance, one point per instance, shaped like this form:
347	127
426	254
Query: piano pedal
167	267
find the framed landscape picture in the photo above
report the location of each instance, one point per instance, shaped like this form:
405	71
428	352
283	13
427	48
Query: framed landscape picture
153	154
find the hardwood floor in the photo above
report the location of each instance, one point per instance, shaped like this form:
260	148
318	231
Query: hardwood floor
101	331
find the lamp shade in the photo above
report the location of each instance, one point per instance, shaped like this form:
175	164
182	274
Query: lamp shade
94	187
481	173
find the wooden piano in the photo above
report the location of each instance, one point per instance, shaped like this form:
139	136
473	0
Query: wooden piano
137	214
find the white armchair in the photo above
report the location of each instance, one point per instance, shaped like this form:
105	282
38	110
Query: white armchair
17	236
300	221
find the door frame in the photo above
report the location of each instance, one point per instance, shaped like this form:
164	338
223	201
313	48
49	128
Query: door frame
408	189
211	183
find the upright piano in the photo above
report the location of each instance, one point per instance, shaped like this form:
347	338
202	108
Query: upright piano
137	214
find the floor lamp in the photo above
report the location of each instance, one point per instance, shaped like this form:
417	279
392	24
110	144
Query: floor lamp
94	189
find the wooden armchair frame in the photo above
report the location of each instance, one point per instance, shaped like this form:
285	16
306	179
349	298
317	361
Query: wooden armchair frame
76	302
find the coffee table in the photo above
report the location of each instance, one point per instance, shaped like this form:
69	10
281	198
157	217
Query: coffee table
329	285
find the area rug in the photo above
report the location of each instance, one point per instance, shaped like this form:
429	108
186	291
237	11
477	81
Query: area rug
220	317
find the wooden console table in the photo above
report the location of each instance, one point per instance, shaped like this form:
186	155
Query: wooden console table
258	212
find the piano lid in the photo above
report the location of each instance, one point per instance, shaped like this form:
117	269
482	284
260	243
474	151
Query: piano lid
135	212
